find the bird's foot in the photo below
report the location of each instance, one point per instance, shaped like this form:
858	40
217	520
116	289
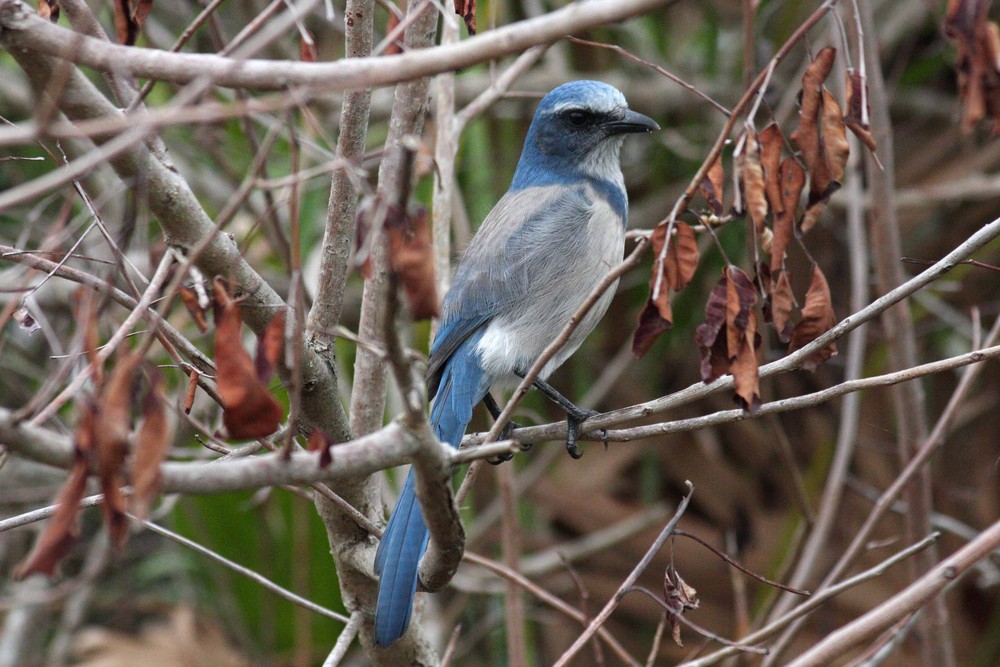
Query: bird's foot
574	420
505	435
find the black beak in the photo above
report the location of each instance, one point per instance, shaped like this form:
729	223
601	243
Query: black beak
630	122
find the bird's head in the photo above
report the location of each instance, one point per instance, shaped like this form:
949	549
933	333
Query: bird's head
578	130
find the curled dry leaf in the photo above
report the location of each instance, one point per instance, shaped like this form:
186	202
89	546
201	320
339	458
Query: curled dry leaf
681	261
817	318
978	44
85	315
125	26
151	445
793	179
307	46
835	152
25	320
856	109
140	11
714	355
807	134
711	187
678	597
467	10
193	305
320	442
771	141
728	338
752	178
112	426
191	389
746	377
780	303
49	9
270	348
411	257
396	46
742	339
248	409
61	532
741	296
675	272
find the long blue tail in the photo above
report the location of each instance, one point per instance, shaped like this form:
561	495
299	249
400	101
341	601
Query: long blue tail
463	385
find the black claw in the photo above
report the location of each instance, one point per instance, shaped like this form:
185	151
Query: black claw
501	458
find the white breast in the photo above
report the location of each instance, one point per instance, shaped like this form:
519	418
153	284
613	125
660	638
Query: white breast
514	340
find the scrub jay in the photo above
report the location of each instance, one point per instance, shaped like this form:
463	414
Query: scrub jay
542	249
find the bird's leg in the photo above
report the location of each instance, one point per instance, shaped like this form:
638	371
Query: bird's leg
494	410
575	416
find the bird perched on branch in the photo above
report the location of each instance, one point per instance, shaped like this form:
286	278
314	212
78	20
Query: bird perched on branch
541	251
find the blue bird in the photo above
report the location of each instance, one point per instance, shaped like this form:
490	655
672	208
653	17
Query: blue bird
543	248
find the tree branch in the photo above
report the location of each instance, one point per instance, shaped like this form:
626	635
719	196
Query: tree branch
24	30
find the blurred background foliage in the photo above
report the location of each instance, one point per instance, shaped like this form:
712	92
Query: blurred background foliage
745	473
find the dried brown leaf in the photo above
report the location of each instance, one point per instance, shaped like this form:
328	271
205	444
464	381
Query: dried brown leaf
62	531
85	317
249	410
25	320
856	111
714	355
190	393
320	442
978	78
681	261
746	378
396	46
49	9
656	316
678	597
126	29
780	303
817	318
741	296
270	348
711	187
835	152
771	142
652	324
752	177
467	10
793	179
140	11
112	426
836	149
190	299
307	46
411	257
808	134
676	271
151	445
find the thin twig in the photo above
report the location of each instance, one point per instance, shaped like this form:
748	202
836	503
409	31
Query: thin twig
629	582
246	572
814	602
345	640
730	561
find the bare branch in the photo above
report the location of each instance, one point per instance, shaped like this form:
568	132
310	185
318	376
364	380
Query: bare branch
24	30
913	597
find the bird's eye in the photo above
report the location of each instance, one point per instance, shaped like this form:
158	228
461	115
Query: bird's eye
577	117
